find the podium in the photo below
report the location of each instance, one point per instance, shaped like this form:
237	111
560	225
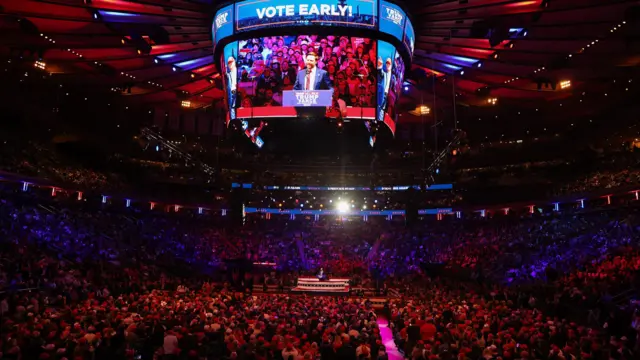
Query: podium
307	98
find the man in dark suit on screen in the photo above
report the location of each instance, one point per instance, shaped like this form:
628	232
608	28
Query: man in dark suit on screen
311	77
384	82
232	86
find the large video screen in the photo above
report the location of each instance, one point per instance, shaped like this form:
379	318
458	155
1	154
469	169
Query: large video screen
409	37
247	15
252	15
222	24
392	19
229	65
267	66
390	73
384	66
397	77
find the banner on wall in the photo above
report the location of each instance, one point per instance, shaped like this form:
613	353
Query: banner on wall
251	15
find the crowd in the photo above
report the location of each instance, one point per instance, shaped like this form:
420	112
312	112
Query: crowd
39	161
603	180
268	65
82	282
78	287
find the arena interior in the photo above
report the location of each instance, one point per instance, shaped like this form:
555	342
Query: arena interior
320	180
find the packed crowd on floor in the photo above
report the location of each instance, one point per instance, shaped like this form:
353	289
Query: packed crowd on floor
82	282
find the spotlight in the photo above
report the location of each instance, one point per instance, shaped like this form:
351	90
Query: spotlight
420	110
343	207
174	69
406	88
479	64
155	61
462	72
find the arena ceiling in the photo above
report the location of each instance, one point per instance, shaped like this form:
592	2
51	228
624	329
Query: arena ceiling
159	51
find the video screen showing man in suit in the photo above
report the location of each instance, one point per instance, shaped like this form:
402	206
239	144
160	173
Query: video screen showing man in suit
384	83
384	67
395	90
267	66
312	78
232	83
230	76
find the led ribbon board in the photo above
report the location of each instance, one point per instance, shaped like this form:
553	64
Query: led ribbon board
252	15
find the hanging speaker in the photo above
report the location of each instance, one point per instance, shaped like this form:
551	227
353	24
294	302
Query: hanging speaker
411	207
237	211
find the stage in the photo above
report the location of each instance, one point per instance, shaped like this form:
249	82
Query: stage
335	286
